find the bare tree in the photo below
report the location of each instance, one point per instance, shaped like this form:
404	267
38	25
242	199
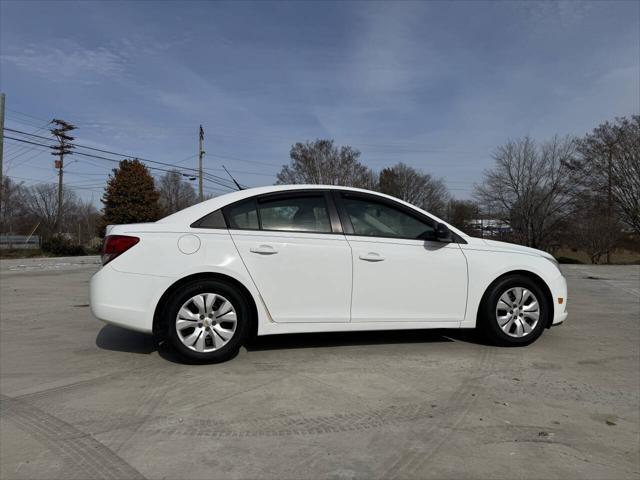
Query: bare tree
529	187
41	209
41	202
175	193
321	162
12	211
415	187
81	221
609	164
591	229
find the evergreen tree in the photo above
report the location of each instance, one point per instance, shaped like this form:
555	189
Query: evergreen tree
130	196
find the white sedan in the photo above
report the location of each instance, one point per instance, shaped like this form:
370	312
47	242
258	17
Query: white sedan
311	258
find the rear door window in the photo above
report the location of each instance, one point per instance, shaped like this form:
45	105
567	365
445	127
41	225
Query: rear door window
243	215
295	213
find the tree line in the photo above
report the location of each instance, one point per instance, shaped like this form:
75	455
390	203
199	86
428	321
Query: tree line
131	195
581	192
565	191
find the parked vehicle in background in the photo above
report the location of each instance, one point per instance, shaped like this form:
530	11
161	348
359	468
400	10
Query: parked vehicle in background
311	258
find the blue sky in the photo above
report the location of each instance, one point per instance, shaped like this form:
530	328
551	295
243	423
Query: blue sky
437	85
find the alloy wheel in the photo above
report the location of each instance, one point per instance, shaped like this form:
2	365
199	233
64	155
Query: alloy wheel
517	312
206	322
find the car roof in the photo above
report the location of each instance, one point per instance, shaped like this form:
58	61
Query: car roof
199	210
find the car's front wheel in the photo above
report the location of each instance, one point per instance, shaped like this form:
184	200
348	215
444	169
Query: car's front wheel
207	321
515	311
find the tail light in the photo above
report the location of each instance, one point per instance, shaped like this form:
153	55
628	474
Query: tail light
115	245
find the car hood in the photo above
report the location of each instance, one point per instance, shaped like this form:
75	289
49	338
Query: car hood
484	244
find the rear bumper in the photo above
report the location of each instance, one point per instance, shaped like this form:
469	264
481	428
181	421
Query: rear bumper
111	290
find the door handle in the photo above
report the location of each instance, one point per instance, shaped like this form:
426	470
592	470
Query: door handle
264	250
371	257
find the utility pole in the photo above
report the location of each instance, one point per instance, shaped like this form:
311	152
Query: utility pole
1	142
200	157
63	148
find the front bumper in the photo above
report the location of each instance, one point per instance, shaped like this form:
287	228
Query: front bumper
127	300
559	291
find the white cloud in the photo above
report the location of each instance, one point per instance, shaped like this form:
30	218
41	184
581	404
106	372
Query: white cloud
68	61
387	55
566	13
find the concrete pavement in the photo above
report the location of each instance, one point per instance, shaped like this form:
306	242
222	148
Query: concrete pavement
86	400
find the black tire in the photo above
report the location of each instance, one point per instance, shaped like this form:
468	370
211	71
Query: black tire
231	293
488	322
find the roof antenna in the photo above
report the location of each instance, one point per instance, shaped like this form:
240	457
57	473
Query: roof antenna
234	180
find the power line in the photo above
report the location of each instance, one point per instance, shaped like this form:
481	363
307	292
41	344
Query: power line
149	167
12	165
218	178
109	152
27	133
26	115
94	188
162	163
195	170
207	176
260	174
21	149
85	174
227	157
27	141
22	121
408	146
41	181
187	158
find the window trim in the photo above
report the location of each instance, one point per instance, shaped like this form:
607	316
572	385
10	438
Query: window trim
334	221
338	216
348	225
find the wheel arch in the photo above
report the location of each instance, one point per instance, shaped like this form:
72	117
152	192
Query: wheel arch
157	317
532	276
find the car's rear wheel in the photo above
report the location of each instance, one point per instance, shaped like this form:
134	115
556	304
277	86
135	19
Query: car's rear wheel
207	321
515	311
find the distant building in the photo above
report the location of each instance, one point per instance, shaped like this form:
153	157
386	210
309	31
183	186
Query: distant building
490	227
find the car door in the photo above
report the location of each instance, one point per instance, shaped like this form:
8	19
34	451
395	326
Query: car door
400	273
296	254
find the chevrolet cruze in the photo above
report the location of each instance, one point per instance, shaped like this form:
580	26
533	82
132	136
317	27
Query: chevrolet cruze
311	258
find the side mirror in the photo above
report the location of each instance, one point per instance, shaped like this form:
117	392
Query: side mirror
443	234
